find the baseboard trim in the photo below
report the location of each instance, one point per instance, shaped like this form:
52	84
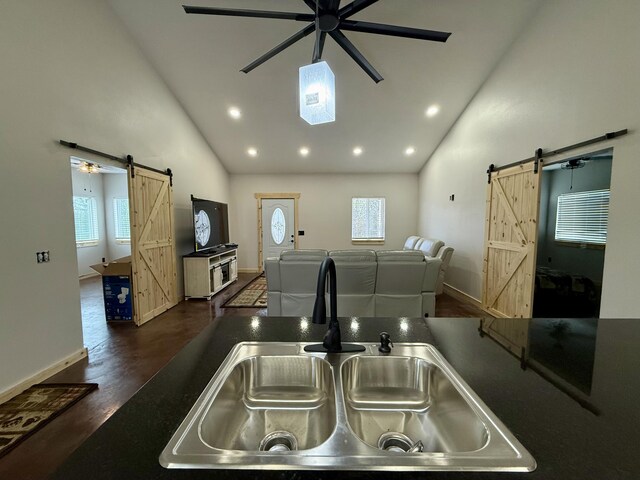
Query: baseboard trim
88	275
43	374
461	296
249	270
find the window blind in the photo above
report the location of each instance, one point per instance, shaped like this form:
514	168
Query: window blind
367	218
121	218
583	217
85	216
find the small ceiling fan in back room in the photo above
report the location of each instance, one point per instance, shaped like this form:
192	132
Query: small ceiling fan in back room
327	19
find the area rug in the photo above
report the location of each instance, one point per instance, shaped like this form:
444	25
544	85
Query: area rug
253	295
27	412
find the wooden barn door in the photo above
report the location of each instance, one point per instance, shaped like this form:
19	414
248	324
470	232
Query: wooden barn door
511	232
153	253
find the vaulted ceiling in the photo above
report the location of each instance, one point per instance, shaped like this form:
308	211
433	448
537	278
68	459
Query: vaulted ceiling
200	57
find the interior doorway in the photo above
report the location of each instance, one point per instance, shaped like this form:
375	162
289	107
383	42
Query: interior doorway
572	236
277	224
102	232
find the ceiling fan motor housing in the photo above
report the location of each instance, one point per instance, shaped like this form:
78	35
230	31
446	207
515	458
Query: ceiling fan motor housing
328	22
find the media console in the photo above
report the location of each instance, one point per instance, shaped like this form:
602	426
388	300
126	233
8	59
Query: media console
206	273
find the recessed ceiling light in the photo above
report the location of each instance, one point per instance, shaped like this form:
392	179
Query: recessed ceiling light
357	151
234	112
252	152
304	151
409	151
432	111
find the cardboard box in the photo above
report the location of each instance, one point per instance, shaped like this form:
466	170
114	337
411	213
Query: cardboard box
117	289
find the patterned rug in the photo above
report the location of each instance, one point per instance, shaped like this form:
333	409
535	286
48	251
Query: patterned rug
253	295
27	412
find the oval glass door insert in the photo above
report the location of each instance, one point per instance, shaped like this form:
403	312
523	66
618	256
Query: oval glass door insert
278	224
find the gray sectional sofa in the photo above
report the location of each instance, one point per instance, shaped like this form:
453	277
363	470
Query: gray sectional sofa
397	283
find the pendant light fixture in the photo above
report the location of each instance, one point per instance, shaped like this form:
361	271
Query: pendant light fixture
317	93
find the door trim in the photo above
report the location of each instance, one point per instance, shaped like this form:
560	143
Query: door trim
280	196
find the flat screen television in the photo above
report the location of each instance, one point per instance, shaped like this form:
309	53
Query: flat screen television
210	224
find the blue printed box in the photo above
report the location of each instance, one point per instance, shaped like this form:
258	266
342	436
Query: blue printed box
117	289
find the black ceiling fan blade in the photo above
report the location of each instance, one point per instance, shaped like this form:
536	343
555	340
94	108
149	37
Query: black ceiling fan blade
301	17
354	53
331	5
276	50
311	4
355	7
318	47
394	30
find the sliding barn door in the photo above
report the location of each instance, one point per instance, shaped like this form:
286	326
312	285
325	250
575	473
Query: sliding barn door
153	253
511	232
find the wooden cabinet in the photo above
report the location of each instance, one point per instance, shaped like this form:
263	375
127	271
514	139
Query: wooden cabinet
207	274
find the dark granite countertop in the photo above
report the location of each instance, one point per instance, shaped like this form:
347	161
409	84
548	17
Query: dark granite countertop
567	440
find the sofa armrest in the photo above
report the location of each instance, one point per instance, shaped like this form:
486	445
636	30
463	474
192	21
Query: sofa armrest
431	273
272	271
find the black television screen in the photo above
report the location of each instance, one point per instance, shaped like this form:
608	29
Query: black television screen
210	223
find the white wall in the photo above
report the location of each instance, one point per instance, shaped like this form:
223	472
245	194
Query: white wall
574	74
90	185
324	209
70	71
115	186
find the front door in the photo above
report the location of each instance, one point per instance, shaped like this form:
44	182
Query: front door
278	226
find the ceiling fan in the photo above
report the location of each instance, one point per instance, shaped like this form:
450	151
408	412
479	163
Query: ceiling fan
328	18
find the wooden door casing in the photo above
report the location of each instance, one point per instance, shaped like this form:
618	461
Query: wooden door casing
511	230
153	254
259	197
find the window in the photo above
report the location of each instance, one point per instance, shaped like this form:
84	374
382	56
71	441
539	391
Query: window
85	216
367	219
582	217
121	219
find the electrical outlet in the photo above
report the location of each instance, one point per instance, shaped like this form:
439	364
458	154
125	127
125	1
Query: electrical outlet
43	257
452	197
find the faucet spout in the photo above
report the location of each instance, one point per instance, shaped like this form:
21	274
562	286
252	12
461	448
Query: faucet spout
332	342
332	339
327	267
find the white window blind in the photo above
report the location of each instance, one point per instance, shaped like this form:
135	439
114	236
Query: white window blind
121	218
583	217
85	216
367	218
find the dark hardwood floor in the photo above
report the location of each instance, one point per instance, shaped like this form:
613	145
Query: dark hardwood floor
122	358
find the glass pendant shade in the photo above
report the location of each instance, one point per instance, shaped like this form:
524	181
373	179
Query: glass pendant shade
317	93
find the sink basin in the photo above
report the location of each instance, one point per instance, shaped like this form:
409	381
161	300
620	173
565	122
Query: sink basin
268	394
411	396
275	406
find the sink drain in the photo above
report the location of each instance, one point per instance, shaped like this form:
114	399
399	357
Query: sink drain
279	441
398	442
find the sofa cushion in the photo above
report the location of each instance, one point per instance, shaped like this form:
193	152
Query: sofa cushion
299	270
356	305
340	256
303	255
400	272
386	256
430	246
399	306
410	244
355	271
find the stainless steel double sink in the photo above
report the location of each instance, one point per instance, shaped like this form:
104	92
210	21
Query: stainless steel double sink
275	406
